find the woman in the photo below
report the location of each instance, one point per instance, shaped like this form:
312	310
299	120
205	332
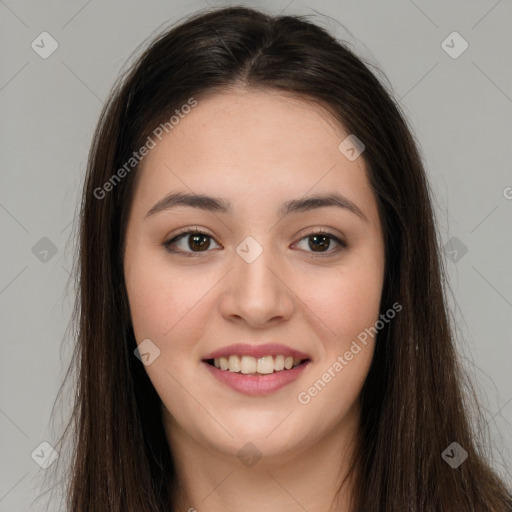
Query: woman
261	316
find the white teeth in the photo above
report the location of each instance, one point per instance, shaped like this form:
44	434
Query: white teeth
234	364
265	364
279	364
250	365
247	364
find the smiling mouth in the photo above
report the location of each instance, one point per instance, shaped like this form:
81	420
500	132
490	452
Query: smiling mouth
249	365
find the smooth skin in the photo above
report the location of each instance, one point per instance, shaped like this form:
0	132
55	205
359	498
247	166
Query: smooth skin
256	149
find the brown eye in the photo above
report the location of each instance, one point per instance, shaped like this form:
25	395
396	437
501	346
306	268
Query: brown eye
199	242
319	242
191	242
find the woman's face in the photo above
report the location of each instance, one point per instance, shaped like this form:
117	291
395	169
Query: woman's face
260	273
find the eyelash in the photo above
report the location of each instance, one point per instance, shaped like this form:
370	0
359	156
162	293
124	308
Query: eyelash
167	244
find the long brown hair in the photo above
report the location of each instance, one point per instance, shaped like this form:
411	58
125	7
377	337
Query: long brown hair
414	402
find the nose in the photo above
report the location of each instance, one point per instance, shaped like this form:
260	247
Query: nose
257	292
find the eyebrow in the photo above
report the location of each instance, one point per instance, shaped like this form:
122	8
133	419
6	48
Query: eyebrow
219	205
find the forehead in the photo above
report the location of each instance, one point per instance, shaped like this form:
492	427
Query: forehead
253	145
254	123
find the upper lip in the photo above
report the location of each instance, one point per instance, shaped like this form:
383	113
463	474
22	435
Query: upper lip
256	350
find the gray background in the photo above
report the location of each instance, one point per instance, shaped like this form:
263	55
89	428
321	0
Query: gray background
460	110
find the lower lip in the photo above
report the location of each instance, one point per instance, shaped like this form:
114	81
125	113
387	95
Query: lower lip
257	384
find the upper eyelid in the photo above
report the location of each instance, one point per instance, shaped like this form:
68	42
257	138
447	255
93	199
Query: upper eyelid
309	232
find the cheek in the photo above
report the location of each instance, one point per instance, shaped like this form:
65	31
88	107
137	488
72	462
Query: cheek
349	309
165	307
346	305
348	299
165	301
